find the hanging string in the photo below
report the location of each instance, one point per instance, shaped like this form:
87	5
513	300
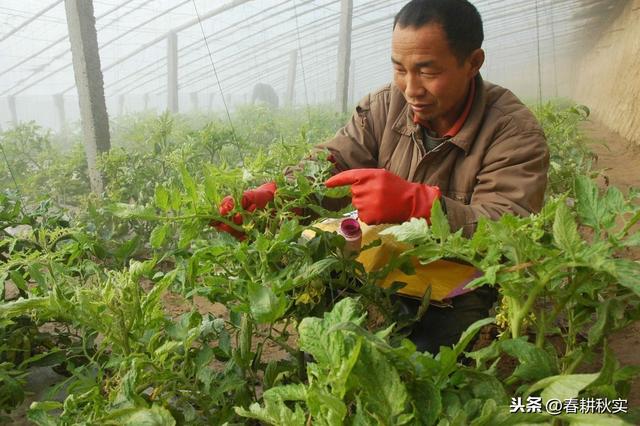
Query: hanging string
555	59
539	60
304	77
215	72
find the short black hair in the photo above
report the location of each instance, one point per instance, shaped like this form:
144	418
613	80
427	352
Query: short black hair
459	19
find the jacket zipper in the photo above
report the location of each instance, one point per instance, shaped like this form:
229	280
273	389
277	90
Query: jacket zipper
423	149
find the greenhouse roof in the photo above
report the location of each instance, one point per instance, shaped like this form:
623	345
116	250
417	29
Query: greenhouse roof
228	46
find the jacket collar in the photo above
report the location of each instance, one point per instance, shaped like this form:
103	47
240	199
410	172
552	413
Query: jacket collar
464	139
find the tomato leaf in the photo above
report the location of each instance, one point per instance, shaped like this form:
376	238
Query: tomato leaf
534	363
162	198
565	231
562	386
439	222
627	272
589	206
414	231
266	306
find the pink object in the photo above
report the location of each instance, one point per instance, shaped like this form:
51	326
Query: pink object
350	230
460	289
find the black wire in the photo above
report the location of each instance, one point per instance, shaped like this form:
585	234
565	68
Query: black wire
215	72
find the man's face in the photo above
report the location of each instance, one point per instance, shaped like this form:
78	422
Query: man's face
433	81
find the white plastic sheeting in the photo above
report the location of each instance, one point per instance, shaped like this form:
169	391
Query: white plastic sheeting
530	44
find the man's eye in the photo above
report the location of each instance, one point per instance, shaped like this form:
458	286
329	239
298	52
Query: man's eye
429	73
399	71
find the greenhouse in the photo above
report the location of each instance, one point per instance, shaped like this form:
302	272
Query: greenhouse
320	212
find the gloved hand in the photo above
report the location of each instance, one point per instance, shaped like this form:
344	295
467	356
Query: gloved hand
252	199
382	197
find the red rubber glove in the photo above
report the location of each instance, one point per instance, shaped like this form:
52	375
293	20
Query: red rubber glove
382	197
252	199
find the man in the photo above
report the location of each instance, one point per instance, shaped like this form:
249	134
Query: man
439	132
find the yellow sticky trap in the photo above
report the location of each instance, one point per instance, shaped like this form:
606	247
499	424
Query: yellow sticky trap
446	278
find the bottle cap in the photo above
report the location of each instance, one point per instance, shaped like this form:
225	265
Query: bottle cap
350	229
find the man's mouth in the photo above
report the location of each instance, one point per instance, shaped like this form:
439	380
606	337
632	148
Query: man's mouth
419	107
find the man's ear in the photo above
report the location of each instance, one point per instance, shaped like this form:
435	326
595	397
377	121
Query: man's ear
476	59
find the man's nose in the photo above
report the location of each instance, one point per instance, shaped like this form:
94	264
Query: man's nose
414	88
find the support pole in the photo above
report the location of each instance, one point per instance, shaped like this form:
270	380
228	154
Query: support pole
13	110
194	101
344	55
88	76
172	72
291	81
146	101
58	101
211	98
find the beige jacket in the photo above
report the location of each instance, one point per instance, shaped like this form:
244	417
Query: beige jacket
496	164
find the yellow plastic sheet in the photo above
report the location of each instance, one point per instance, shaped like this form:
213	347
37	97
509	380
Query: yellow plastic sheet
446	278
